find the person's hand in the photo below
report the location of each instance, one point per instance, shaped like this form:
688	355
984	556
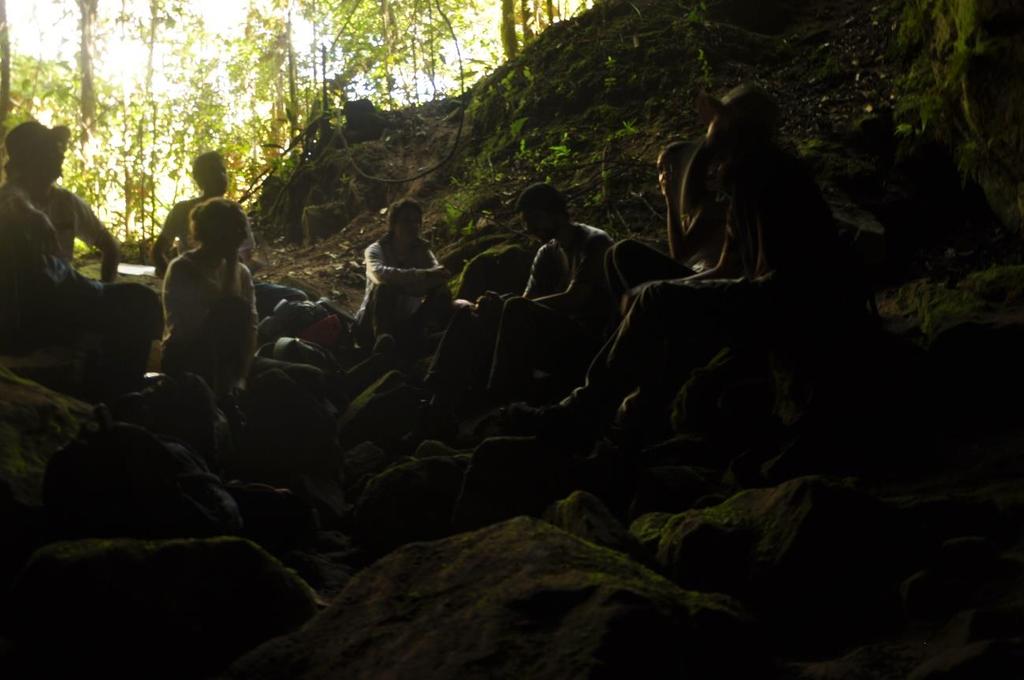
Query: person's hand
440	273
489	302
666	177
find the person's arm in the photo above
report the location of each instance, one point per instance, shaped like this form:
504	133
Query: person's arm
728	265
570	301
414	280
673	212
160	252
547	273
247	251
685	197
249	343
111	256
184	304
89	228
587	282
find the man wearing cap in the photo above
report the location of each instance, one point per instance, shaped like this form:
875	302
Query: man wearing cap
35	161
48	302
556	324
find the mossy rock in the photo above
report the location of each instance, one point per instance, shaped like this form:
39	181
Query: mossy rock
455	257
732	394
176	608
965	89
411	501
431	448
510	476
503	268
647	529
938	307
35	422
583	514
383	413
517	599
802	553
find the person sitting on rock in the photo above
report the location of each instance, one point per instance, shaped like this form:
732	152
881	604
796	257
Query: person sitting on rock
46	302
695	225
406	293
790	288
211	176
209	301
558	320
35	162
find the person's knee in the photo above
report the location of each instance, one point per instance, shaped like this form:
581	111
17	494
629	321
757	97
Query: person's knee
627	250
516	308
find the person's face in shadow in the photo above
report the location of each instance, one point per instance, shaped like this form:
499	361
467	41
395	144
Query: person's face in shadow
45	164
407	228
212	179
541	224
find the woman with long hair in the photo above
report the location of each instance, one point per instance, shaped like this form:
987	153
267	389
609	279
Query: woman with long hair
209	301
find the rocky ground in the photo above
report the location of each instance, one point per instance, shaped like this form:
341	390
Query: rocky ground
853	513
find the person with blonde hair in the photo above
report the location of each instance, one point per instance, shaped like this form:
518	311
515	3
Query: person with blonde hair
209	301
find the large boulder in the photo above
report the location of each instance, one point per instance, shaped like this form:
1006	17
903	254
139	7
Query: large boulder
503	268
972	332
583	514
122	480
730	400
411	501
383	413
175	608
803	553
518	599
510	476
35	422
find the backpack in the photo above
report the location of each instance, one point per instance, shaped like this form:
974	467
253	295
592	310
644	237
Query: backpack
123	480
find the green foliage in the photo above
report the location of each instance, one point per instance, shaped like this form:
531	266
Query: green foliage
247	90
964	88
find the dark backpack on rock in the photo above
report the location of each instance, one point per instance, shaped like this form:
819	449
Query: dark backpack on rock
183	409
125	481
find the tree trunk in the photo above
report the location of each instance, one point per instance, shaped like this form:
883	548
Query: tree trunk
293	90
432	70
508	28
386	24
87	9
150	184
5	82
551	12
524	9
